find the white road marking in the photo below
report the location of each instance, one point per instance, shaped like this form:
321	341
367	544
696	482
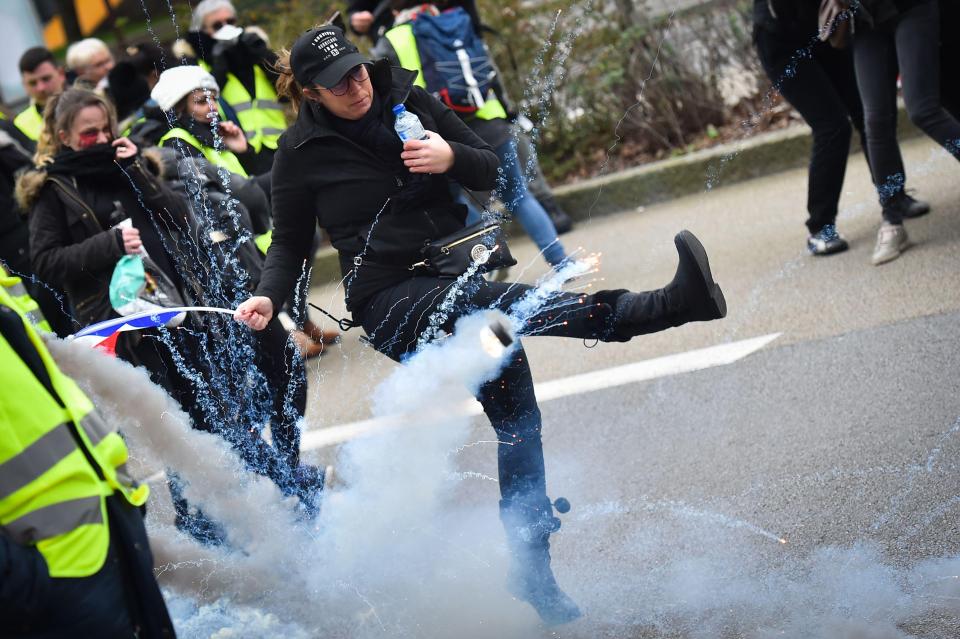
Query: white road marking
720	355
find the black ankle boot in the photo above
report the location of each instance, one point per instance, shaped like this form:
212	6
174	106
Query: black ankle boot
692	296
528	527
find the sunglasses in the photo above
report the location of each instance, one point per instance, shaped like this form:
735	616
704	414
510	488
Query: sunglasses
358	74
219	24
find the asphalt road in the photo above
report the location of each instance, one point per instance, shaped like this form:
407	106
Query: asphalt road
809	489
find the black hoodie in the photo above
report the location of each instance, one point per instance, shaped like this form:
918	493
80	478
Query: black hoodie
319	175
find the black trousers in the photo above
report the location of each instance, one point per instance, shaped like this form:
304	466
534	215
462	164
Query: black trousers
120	601
395	318
907	45
819	82
949	57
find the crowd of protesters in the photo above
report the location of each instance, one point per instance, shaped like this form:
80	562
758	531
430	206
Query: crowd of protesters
183	160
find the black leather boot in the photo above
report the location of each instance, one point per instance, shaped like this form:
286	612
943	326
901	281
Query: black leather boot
528	525
692	296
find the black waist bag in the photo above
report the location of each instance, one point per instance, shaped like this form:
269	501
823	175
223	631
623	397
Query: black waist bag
453	255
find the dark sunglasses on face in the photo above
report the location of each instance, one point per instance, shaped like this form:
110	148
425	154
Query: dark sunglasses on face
358	74
219	24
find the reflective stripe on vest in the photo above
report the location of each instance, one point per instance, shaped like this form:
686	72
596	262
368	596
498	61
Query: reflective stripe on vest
226	158
56	519
24	302
30	122
405	45
50	494
261	116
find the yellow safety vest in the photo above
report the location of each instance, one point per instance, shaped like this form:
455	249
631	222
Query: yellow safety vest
50	494
405	45
21	301
29	122
226	158
261	116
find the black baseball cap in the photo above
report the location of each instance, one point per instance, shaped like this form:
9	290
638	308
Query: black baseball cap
323	56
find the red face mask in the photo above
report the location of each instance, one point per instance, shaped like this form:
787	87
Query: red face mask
86	140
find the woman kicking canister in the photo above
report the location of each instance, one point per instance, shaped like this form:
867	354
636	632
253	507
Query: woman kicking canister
342	165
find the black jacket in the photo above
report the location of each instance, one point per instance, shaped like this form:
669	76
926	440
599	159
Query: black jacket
14	237
321	176
798	18
874	13
69	247
220	219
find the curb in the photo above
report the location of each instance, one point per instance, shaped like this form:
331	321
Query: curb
632	189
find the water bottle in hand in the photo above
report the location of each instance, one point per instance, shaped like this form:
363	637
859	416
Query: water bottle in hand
408	125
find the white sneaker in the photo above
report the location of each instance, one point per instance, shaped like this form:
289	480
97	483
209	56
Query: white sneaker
891	241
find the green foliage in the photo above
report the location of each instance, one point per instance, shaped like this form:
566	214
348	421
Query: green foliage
284	20
609	81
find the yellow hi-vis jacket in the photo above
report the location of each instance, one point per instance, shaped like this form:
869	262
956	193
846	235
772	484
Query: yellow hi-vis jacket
261	116
405	45
225	158
58	463
29	122
21	301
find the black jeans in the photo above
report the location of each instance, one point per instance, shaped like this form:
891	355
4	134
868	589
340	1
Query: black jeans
120	601
949	57
395	318
822	87
908	45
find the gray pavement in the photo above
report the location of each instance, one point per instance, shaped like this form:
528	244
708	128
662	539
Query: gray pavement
840	437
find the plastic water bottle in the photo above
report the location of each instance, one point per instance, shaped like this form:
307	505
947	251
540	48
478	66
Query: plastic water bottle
408	125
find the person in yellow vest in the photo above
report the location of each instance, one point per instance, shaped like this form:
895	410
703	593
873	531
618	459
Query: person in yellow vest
243	65
21	301
479	107
42	78
198	129
74	556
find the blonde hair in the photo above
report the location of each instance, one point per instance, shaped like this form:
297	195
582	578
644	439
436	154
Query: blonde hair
60	112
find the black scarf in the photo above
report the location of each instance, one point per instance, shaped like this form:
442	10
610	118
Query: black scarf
203	131
97	161
372	132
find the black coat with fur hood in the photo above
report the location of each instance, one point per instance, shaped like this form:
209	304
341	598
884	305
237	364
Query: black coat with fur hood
320	175
70	249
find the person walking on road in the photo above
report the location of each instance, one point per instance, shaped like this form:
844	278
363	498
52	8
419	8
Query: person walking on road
75	560
818	80
891	37
380	199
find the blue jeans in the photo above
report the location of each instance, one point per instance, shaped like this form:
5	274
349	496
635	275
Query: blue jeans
512	191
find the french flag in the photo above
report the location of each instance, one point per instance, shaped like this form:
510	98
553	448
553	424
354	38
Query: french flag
102	336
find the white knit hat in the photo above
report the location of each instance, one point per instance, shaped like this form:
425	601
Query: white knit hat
177	82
